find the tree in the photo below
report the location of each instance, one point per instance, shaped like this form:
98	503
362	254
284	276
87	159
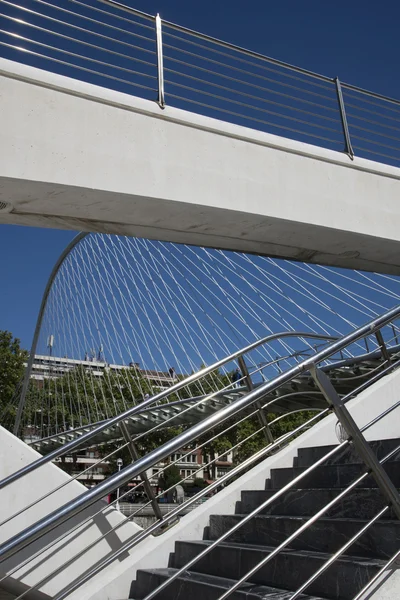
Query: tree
170	477
12	359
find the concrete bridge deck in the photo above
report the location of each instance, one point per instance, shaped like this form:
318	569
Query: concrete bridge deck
77	156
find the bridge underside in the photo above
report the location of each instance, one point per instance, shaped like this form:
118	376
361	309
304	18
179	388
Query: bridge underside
76	156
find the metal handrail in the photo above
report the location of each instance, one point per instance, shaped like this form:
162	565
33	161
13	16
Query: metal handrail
237	470
88	498
206	45
139	407
170	517
251	53
270	501
221	481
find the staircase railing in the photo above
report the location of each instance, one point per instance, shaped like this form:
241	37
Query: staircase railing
87	438
249	401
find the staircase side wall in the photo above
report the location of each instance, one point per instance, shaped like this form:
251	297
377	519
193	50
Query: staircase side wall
115	581
14	454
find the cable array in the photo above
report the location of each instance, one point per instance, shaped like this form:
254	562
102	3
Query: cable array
127	317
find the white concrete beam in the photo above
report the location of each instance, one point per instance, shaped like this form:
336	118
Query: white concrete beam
77	156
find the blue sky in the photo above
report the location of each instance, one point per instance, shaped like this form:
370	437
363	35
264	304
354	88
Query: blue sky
358	41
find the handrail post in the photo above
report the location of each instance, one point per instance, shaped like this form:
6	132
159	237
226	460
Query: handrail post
160	62
261	414
382	345
347	140
360	443
143	476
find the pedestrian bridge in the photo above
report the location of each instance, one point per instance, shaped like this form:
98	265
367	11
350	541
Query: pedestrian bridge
81	156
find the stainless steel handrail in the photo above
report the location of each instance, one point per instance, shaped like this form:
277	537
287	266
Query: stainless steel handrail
85	500
247	52
269	502
199	496
139	407
237	470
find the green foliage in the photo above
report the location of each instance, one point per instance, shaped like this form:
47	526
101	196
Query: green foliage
12	358
169	477
199	483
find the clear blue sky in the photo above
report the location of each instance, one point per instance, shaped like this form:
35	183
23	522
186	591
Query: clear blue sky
359	41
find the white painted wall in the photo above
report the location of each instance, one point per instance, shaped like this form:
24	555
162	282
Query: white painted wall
14	454
74	155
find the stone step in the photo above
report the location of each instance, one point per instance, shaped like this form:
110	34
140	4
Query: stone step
326	535
288	570
308	456
361	503
198	586
331	476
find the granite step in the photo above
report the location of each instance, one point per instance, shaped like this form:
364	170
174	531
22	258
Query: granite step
289	570
198	586
361	503
308	456
330	476
326	535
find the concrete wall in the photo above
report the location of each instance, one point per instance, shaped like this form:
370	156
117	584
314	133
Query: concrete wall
14	454
114	582
77	156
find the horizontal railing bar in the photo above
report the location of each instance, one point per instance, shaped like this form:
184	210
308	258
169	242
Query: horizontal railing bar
79	67
138	13
228	45
355	136
352	115
385	135
254	119
245	61
79	41
372	112
65	23
174	388
262	110
246	94
253	75
251	53
375	153
78	28
128	9
88	498
354	88
84	57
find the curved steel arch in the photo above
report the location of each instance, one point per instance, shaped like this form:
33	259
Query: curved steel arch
78	238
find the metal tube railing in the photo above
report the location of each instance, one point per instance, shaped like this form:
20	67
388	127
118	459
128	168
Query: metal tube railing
233	473
205	48
267	503
67	448
262	454
91	496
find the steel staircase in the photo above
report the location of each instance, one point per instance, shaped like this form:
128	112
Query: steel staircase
216	572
